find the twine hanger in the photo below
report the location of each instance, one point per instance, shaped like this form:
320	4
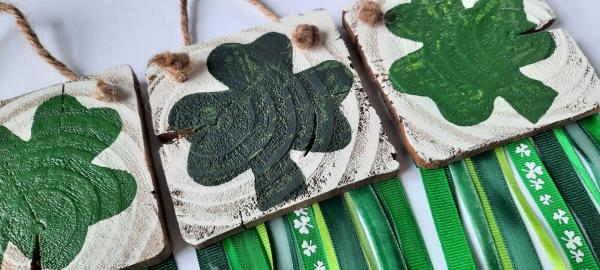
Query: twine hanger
177	65
104	91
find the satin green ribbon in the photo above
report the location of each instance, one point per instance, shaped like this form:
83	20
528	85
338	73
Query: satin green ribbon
569	150
447	220
282	253
585	145
344	238
326	238
486	169
374	232
307	238
246	250
168	264
476	213
570	187
536	225
542	189
591	126
397	208
213	257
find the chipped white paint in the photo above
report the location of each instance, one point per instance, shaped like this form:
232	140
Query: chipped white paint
136	235
431	139
208	213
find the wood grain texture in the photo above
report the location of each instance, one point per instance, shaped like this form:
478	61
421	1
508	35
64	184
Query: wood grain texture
132	238
430	138
208	213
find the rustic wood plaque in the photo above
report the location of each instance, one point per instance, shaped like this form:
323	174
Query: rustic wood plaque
76	182
465	76
263	127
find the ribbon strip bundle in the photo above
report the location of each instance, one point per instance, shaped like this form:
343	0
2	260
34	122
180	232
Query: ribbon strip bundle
490	207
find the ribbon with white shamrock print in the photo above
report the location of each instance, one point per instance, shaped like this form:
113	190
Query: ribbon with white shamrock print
548	199
570	187
447	221
308	240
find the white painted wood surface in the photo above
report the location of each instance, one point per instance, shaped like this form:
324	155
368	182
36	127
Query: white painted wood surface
137	235
431	139
208	213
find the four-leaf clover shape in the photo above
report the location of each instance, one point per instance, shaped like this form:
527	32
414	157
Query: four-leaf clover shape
471	56
51	191
267	111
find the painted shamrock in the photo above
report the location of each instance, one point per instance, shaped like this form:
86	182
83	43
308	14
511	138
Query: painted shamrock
266	112
471	56
51	191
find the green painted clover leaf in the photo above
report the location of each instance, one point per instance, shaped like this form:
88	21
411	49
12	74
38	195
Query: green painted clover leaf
470	57
51	191
267	112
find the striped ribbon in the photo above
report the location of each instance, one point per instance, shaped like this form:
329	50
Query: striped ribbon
344	238
373	230
510	231
447	221
283	253
246	250
475	214
213	257
308	240
571	188
395	204
558	216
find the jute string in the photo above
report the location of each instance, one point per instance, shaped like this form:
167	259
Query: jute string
104	91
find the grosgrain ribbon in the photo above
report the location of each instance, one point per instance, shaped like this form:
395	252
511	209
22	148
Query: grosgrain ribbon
213	257
246	250
544	192
475	211
486	170
374	232
447	221
168	264
343	236
570	187
395	204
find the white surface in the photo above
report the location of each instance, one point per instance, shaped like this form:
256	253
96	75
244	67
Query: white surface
90	36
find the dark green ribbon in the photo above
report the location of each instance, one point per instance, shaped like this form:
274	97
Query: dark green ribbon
168	264
513	230
344	238
399	213
571	188
447	220
213	257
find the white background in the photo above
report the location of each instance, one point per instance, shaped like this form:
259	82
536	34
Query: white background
92	35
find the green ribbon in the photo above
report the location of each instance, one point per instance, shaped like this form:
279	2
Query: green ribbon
569	150
447	220
513	231
585	145
591	126
397	208
344	238
573	191
246	250
476	213
374	232
213	257
307	238
544	192
536	225
168	264
282	253
332	260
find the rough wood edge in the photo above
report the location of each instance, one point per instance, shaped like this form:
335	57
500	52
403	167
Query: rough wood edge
466	154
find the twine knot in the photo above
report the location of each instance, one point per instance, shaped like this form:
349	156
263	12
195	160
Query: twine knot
306	36
370	12
176	64
105	91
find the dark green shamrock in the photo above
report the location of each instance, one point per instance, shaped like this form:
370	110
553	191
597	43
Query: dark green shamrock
267	112
50	190
470	57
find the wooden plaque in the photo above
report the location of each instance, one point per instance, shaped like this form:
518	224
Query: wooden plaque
465	77
263	127
76	183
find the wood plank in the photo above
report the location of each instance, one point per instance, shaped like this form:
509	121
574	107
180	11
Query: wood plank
331	139
432	139
81	179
